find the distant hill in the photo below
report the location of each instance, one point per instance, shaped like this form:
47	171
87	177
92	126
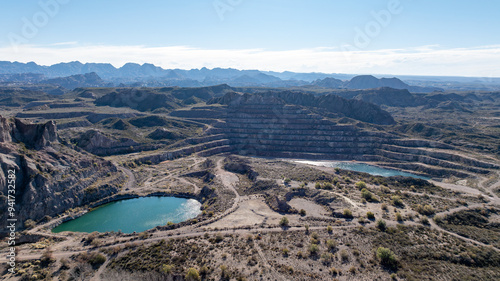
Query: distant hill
362	82
79	80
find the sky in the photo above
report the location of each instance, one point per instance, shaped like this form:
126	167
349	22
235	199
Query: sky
405	37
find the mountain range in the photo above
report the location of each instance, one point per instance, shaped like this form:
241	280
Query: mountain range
76	74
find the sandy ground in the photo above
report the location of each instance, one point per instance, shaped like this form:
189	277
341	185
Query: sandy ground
312	209
250	212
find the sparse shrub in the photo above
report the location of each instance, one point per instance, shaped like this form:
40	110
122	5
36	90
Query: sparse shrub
381	224
287	181
384	206
361	220
367	195
167	269
329	229
331	244
370	215
204	271
385	189
302	212
219	238
344	256
192	274
284	222
387	257
399	217
315	235
361	185
438	219
424	220
394	276
29	223
396	200
252	261
347	214
224	272
334	271
307	228
300	255
285	252
328	186
327	258
313	249
96	259
425	210
47	257
317	185
352	270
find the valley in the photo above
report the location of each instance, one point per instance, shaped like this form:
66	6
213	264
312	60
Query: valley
267	213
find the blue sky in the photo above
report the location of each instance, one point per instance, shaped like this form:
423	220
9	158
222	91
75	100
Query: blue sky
358	36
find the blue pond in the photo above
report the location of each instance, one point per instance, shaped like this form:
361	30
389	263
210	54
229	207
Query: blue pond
365	168
131	215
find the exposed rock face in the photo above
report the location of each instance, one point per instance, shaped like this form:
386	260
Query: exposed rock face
50	178
32	135
267	125
98	143
355	109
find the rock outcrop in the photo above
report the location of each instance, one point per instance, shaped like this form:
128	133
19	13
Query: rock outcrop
50	177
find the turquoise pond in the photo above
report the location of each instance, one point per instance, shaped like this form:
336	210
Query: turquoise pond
131	215
365	168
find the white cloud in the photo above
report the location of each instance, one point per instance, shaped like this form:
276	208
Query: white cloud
480	61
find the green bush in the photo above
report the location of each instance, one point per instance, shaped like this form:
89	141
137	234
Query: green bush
399	217
381	224
302	212
387	257
313	249
347	213
367	195
331	244
361	185
97	259
192	274
396	200
167	269
284	221
370	215
344	256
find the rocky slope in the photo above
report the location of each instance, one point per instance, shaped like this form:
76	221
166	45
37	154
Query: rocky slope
50	177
